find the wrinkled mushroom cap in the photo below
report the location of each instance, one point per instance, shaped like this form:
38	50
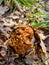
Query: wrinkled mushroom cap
20	39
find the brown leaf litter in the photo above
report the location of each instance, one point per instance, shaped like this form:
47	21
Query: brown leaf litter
25	40
28	42
20	41
3	10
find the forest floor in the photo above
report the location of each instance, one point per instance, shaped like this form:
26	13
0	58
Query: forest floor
20	43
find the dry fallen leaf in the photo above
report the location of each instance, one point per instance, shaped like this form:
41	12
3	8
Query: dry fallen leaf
41	48
3	10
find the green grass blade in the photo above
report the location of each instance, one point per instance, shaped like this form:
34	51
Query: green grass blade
41	24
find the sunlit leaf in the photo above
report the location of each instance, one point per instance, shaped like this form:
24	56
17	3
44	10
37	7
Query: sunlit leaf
1	1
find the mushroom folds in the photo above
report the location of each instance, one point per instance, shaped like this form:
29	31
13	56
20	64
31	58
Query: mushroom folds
20	39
